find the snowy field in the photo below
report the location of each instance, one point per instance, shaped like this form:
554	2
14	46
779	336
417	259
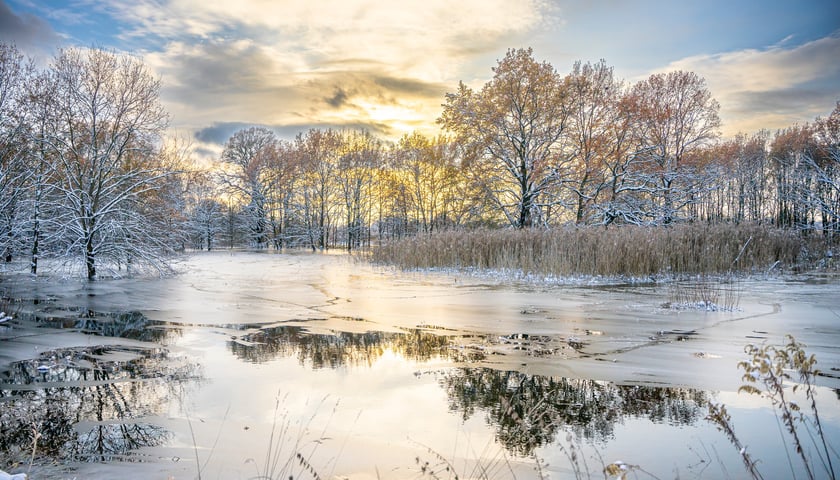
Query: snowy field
254	365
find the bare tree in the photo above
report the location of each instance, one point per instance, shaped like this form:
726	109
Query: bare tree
319	153
41	119
790	154
283	169
515	124
15	72
362	155
427	169
594	95
249	152
108	126
674	115
823	166
738	177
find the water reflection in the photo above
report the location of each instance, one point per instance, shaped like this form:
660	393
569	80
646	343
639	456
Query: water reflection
527	411
342	348
132	325
95	404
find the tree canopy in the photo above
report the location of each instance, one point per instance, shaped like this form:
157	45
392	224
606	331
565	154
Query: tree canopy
88	178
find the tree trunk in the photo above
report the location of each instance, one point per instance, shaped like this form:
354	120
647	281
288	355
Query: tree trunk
580	207
90	258
525	220
35	234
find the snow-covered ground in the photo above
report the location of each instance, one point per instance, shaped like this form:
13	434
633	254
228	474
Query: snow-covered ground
376	369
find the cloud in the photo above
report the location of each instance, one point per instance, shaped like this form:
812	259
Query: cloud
410	86
225	80
773	87
220	132
217	134
239	82
338	99
26	31
284	62
430	39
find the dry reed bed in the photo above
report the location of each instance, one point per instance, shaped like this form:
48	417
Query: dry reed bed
626	250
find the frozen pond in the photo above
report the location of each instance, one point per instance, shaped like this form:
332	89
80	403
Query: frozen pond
262	365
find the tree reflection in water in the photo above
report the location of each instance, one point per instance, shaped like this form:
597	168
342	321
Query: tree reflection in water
527	411
340	348
133	325
88	403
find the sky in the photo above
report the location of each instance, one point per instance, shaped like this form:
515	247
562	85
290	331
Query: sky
386	65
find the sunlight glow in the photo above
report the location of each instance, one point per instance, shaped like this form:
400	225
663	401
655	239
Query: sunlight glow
389	113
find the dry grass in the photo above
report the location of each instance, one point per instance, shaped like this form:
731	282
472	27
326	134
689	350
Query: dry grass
703	293
626	250
781	371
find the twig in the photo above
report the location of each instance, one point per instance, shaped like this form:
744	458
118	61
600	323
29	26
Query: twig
738	257
35	436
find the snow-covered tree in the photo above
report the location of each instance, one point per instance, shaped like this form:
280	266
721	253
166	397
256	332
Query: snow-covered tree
249	153
427	168
594	95
318	152
738	173
674	115
515	125
361	155
790	154
108	128
205	213
807	161
826	167
41	120
281	177
15	72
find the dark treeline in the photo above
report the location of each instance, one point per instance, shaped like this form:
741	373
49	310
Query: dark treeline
86	176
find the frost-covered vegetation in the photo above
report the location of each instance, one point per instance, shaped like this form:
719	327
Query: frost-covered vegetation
782	370
86	176
530	149
629	251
